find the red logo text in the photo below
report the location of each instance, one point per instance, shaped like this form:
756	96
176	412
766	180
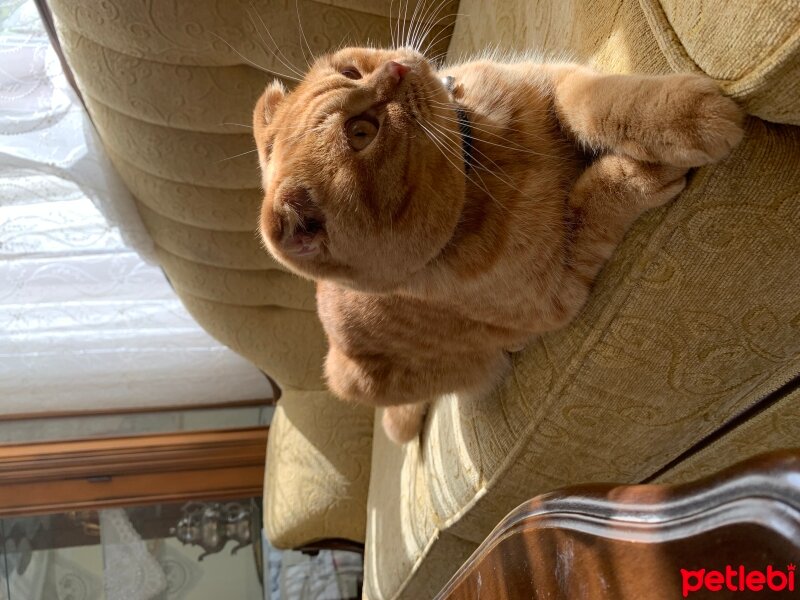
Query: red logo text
738	580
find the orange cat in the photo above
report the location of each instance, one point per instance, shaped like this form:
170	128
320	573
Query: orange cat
449	217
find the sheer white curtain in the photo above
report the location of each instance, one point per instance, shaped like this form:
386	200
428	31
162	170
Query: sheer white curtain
85	322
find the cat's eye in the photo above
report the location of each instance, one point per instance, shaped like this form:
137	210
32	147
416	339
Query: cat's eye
351	73
360	132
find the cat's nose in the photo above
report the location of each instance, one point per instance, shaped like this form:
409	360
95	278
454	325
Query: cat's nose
388	79
396	70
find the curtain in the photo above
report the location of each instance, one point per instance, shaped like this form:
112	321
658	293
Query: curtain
86	322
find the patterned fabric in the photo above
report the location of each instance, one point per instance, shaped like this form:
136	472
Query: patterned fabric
317	470
661	356
752	48
778	426
406	549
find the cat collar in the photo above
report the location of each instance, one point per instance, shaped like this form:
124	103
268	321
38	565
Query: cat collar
464	125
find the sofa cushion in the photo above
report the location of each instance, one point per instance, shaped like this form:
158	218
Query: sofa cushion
752	48
407	554
247	287
290	341
318	468
610	33
776	426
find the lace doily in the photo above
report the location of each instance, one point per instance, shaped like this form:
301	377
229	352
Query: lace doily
131	572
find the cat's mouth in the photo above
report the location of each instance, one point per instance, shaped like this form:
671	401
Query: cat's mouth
306	240
302	226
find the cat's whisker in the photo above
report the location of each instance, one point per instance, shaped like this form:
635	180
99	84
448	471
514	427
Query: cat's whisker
396	28
483	126
437	59
515	147
238	155
391	27
476	163
433	20
444	148
413	25
444	33
475	127
400	23
406	25
250	62
498	167
282	58
238	125
426	23
440	37
506	179
303	36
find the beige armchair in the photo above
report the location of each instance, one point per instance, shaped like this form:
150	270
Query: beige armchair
684	361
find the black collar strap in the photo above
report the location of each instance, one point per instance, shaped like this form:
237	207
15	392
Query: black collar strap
464	125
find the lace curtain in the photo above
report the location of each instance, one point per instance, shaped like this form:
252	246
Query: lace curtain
85	321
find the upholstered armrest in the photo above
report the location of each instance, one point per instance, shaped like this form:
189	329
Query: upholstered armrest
318	467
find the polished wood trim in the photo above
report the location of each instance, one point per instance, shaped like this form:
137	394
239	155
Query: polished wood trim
632	542
105	412
72	475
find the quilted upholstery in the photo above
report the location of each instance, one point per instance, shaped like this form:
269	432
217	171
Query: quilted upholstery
319	458
414	555
170	86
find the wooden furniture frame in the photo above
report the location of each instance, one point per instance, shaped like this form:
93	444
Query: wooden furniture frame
702	540
124	471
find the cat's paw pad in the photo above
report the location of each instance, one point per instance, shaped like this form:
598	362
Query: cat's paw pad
701	125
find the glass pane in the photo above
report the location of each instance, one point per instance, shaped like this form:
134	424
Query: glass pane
192	551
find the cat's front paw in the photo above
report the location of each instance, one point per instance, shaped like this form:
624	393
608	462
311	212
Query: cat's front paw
653	184
698	125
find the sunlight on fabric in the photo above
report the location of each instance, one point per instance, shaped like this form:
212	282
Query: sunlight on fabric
85	322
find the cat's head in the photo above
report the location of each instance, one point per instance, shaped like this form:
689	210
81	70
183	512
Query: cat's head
355	189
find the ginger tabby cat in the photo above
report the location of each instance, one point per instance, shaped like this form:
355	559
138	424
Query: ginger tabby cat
449	217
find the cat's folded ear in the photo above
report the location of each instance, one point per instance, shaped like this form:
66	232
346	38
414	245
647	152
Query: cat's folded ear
268	103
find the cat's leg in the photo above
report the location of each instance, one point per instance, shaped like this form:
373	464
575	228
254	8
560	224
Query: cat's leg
681	119
407	386
608	197
403	423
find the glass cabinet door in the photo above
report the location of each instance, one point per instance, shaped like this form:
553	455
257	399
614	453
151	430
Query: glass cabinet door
193	551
